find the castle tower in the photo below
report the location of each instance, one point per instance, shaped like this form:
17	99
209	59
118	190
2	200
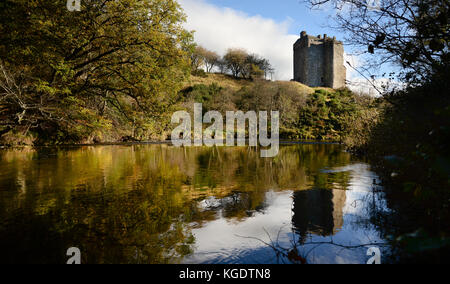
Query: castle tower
319	62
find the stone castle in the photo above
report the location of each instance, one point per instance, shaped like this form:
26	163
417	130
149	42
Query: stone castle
319	62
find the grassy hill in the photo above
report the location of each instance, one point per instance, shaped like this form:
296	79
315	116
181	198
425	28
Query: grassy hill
228	81
305	113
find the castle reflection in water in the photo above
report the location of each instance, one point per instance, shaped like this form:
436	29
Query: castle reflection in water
318	211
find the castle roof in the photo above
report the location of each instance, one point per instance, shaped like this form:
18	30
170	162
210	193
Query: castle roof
318	39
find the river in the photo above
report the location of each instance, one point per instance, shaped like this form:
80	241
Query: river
161	204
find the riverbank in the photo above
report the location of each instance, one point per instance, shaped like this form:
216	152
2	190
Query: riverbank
167	142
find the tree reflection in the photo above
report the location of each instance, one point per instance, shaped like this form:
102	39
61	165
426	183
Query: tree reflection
138	204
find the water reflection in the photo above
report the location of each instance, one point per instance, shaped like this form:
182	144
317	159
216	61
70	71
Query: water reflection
159	204
318	211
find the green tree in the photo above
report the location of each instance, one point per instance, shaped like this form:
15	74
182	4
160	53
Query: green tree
256	66
66	74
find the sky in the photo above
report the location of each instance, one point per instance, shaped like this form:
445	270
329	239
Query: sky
267	28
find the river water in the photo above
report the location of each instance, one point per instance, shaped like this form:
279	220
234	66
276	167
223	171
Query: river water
160	204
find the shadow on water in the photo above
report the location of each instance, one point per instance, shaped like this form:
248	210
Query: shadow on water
160	204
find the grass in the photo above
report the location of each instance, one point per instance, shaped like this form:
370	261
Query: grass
223	80
229	82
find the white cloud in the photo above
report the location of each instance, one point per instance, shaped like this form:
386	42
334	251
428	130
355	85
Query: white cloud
355	81
355	62
219	28
372	86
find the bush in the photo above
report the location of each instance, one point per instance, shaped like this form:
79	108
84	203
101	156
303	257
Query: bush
199	73
335	115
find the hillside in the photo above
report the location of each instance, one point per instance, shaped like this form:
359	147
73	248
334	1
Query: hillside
305	113
227	81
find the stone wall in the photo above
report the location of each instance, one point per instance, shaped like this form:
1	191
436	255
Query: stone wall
319	62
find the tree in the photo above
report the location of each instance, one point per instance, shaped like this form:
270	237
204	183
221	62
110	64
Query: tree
201	56
236	60
257	66
412	33
222	65
255	71
197	58
65	74
240	63
211	59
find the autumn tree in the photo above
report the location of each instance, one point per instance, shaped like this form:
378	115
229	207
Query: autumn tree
210	59
241	63
202	57
65	74
235	60
257	66
197	58
222	65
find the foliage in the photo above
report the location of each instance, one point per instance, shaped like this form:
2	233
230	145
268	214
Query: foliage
257	67
409	146
332	115
197	59
199	73
414	135
304	113
65	75
235	60
210	59
249	66
201	93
